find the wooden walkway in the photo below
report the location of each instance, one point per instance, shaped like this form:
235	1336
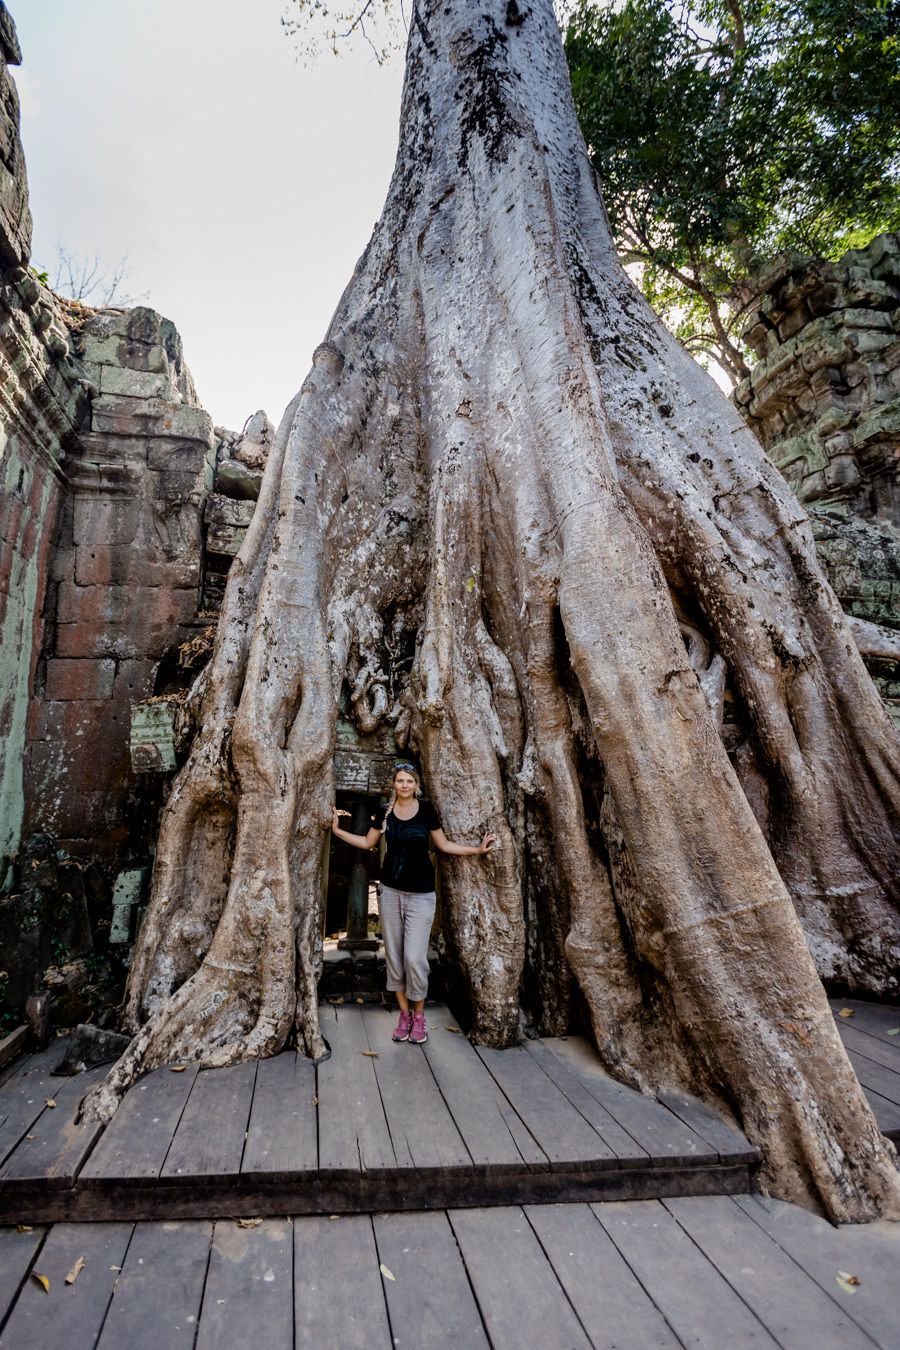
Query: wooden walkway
377	1126
707	1273
381	1126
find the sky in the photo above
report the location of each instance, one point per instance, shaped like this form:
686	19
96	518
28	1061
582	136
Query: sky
242	187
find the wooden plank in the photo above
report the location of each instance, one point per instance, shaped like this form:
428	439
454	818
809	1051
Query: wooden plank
422	1130
874	1019
886	1113
666	1139
209	1140
139	1136
699	1305
882	1051
55	1149
611	1306
568	1140
17	1252
338	1291
875	1076
522	1303
792	1307
497	1139
13	1045
871	1251
353	1132
22	1096
727	1140
249	1293
156	1301
70	1315
623	1150
282	1137
430	1301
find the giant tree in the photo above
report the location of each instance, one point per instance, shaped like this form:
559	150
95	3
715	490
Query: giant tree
509	514
727	132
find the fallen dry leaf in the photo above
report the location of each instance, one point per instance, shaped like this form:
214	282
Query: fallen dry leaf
456	1031
315	1101
50	1102
248	1223
851	1279
387	1274
75	1271
337	1000
370	1054
845	1285
177	1068
845	1012
115	1267
24	1228
360	1000
42	1281
29	1136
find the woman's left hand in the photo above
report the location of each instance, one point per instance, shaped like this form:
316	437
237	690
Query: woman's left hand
487	843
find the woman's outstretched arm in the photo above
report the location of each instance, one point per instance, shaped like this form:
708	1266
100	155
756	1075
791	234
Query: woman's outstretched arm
357	840
446	845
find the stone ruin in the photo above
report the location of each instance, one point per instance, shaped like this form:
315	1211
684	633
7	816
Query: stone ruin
824	401
122	506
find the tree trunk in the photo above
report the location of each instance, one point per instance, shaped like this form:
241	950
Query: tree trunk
505	494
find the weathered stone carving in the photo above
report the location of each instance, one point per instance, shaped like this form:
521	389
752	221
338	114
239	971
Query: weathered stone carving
825	397
824	401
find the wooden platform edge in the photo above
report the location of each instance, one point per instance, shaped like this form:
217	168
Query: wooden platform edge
241	1200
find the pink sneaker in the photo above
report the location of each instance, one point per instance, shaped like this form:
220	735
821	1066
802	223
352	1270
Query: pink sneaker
419	1033
401	1031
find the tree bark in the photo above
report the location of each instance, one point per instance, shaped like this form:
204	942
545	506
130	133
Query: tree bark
502	493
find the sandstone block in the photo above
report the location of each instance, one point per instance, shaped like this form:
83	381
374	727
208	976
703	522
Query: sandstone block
106	520
120	564
123	415
226	523
131	883
134	383
121	621
134	681
106	449
79	679
172	454
842	472
253	446
152	742
88	1046
234	479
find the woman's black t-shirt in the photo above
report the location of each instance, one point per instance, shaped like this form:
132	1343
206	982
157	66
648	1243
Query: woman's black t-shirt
407	865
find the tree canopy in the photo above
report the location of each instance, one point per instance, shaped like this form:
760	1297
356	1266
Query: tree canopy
726	132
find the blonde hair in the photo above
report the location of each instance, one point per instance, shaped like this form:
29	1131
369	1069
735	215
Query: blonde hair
392	800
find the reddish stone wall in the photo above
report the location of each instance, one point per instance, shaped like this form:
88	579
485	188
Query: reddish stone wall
125	584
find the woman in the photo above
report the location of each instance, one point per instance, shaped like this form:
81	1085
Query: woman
406	895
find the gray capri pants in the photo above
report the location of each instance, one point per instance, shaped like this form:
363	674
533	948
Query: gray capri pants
406	919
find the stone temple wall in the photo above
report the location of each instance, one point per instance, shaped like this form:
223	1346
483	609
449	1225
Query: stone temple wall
124	585
106	464
824	400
